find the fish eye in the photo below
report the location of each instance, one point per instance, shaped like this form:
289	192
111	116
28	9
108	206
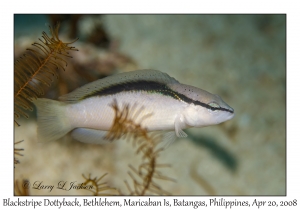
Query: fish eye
214	105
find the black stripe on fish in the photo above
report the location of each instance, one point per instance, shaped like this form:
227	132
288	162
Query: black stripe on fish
149	86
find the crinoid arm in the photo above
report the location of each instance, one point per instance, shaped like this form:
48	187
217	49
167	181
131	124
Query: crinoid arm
36	68
127	123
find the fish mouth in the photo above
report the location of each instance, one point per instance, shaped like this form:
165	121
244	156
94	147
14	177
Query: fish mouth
231	110
228	115
231	115
227	109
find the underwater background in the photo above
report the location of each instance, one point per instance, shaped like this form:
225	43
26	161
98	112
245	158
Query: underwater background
242	58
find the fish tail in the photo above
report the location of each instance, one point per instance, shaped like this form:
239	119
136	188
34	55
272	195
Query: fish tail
51	119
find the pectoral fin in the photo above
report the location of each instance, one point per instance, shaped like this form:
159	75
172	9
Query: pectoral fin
168	139
179	125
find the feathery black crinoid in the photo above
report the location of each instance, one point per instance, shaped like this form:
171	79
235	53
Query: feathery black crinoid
127	124
38	66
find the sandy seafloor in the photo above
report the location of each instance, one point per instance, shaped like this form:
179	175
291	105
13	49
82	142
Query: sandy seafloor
242	58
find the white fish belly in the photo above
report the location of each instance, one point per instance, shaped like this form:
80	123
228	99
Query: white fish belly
96	112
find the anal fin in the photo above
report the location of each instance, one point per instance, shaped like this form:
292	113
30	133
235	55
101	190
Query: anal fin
90	136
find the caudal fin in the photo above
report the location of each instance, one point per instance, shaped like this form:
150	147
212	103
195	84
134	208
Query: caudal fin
51	119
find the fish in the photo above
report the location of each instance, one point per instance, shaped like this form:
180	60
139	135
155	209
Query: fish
171	107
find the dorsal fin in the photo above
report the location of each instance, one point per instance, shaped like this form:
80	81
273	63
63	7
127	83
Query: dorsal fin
122	78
